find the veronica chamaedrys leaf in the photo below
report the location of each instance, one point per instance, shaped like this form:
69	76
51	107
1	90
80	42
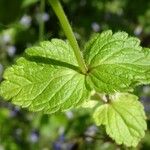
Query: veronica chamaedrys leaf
116	62
39	83
124	119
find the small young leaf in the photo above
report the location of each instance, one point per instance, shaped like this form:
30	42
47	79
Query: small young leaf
116	62
90	104
40	83
124	119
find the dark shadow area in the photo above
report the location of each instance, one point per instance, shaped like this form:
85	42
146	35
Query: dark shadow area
53	62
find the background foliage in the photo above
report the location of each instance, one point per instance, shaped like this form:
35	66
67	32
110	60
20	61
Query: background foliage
19	29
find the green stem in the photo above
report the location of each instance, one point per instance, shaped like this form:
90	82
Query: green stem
69	33
41	23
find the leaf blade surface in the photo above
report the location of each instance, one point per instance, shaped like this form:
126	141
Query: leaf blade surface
124	119
116	62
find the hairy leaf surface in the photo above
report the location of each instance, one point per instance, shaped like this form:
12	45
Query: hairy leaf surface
124	119
40	83
116	62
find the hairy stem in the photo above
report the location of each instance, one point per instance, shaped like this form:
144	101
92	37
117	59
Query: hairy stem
41	23
69	33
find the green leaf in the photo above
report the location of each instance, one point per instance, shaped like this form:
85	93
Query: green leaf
123	117
116	62
39	83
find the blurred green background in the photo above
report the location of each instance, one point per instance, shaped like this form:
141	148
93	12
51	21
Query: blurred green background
20	24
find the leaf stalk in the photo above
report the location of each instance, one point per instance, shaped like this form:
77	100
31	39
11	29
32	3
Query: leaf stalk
69	33
41	23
